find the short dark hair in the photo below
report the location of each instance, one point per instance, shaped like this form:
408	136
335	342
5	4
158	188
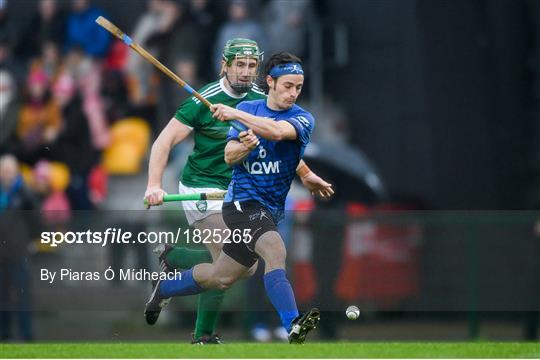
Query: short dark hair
276	59
280	58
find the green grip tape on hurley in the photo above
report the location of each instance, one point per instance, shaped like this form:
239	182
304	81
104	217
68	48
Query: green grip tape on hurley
181	197
218	195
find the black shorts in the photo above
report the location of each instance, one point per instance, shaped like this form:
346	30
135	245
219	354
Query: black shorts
255	220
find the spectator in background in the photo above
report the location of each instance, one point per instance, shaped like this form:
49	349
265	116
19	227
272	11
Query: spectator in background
7	28
17	232
87	44
7	62
9	109
138	69
186	68
142	78
48	64
39	118
115	96
74	146
48	24
82	31
87	74
239	25
178	38
205	14
9	99
332	129
50	60
286	24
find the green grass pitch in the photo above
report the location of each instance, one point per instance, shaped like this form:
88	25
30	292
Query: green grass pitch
251	350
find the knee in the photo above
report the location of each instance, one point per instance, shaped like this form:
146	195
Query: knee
271	248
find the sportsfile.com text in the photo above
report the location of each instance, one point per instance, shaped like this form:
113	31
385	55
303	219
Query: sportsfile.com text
119	236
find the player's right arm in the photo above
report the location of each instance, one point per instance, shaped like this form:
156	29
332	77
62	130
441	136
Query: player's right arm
264	127
172	134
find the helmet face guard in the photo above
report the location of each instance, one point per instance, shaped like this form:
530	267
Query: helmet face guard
237	49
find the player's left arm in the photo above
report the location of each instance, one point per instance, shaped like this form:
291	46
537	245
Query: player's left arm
264	127
238	148
315	184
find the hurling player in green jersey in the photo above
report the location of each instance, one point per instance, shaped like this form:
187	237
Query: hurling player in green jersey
206	171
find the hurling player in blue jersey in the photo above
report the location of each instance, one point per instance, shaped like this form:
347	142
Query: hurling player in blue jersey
265	159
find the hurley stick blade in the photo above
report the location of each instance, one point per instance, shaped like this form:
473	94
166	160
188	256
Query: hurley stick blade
113	29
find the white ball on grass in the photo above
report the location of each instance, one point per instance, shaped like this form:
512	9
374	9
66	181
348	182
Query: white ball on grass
352	312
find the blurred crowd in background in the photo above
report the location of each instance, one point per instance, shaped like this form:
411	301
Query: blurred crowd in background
71	95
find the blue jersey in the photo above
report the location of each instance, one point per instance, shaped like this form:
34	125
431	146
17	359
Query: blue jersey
267	172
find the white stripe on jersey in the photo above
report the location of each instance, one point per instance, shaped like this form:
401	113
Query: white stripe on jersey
256	88
303	120
210	88
258	91
205	92
217	91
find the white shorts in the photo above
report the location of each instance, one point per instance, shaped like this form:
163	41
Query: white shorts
198	210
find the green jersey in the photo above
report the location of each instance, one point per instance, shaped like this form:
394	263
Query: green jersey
206	166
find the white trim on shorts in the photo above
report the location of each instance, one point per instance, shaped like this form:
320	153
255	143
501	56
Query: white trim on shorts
193	213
